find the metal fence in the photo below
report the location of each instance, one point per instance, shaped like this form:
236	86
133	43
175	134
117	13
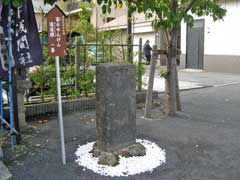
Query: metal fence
78	69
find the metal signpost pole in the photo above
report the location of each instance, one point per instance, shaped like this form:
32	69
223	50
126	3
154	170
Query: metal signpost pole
57	47
60	116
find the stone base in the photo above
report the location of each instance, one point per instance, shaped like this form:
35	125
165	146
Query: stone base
112	158
108	159
135	150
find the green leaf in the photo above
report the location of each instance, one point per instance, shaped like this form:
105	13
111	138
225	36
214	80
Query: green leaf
104	9
17	3
99	2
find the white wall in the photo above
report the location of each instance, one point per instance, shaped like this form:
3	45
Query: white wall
144	27
39	6
145	36
221	37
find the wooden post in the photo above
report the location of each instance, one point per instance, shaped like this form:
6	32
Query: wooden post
111	47
129	34
15	106
77	60
139	85
123	51
96	58
148	105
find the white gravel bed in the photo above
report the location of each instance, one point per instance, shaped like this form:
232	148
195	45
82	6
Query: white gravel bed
155	157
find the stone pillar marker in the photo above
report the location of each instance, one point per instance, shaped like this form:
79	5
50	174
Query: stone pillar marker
22	85
115	106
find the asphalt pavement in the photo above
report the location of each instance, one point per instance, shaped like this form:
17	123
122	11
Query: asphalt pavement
202	143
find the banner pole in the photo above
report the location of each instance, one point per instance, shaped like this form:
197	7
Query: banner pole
10	75
1	108
60	115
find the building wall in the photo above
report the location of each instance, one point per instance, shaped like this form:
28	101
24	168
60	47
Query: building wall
98	18
41	22
146	32
221	41
40	10
145	36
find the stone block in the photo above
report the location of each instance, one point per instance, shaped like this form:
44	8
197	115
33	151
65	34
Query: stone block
108	159
115	106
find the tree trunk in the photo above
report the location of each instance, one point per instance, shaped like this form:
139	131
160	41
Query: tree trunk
171	77
179	107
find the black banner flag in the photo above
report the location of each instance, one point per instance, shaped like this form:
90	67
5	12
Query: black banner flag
26	46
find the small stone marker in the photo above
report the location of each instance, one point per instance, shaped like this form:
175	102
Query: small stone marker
115	106
22	86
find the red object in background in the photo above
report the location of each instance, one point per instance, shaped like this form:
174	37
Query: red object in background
56	21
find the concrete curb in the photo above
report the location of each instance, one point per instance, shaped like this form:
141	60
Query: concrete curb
189	89
70	105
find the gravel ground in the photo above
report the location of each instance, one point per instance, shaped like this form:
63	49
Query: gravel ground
201	144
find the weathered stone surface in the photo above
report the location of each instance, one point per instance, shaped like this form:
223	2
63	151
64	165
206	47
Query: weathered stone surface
115	106
4	172
22	86
124	154
1	152
136	150
108	159
95	151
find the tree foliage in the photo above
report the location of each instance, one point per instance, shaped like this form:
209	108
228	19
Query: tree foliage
83	25
168	14
17	3
165	16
